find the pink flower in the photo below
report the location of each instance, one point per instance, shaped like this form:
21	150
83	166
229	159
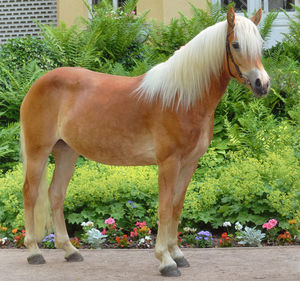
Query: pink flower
103	231
273	222
109	221
133	12
270	224
141	224
267	226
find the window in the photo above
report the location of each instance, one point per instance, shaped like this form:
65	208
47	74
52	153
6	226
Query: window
251	5
268	5
239	4
116	3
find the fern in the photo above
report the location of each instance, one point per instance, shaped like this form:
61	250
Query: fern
294	34
266	27
14	86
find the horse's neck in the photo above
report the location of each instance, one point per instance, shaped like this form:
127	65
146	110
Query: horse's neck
211	98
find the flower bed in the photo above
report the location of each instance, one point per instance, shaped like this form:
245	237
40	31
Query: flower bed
141	236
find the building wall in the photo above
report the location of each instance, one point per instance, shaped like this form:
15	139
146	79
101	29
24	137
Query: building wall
164	10
17	18
69	11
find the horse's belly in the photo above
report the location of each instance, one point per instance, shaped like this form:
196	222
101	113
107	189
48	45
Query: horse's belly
115	150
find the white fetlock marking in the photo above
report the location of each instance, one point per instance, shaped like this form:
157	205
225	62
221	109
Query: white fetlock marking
176	253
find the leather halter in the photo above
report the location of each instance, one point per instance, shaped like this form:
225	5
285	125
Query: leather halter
229	54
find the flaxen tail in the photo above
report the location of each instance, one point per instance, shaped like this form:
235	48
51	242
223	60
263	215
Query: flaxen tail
42	217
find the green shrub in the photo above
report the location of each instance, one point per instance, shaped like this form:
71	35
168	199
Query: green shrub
166	39
108	37
14	85
249	188
97	192
246	189
11	199
9	146
20	51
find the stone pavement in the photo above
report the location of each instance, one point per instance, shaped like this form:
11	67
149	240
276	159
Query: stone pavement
233	264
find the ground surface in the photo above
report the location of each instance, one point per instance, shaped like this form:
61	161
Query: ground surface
234	264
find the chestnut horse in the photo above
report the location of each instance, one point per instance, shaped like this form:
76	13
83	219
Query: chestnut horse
164	117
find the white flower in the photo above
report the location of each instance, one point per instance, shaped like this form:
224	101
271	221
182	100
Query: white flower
148	238
188	229
90	224
84	224
3	240
238	226
142	241
226	223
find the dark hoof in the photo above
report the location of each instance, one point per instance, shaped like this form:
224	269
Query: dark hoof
170	271
36	259
75	257
182	262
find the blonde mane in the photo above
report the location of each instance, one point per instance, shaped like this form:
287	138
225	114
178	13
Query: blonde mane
186	75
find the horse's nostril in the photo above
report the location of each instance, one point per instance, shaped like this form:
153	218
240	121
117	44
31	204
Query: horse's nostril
257	83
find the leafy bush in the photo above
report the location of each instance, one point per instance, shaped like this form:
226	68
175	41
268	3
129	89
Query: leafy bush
108	37
165	39
11	203
97	192
9	146
248	190
14	85
20	51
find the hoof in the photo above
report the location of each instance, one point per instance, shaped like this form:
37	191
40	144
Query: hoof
75	257
36	259
182	262
170	271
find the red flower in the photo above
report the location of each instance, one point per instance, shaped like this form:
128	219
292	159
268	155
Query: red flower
224	235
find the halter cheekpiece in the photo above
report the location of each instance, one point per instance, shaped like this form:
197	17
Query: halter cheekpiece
229	54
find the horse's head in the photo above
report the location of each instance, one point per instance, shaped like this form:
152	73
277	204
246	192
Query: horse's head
243	52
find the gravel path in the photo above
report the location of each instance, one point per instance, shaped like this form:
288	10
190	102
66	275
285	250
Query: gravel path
234	264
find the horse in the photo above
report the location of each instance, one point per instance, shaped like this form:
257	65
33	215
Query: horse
163	117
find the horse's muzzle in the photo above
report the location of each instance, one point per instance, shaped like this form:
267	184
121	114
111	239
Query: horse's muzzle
259	88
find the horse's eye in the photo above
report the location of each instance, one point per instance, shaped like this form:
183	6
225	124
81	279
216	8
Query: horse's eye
236	45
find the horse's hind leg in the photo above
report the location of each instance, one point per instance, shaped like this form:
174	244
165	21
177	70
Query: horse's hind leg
65	159
34	190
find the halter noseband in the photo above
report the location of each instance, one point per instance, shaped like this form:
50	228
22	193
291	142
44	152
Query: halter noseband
229	54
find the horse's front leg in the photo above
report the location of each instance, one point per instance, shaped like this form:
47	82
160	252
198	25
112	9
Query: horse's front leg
167	178
185	174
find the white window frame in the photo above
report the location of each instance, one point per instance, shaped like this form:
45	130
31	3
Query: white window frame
280	24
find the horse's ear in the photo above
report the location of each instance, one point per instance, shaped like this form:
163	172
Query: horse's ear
231	17
257	17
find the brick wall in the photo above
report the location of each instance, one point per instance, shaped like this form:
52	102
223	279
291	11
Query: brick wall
17	17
